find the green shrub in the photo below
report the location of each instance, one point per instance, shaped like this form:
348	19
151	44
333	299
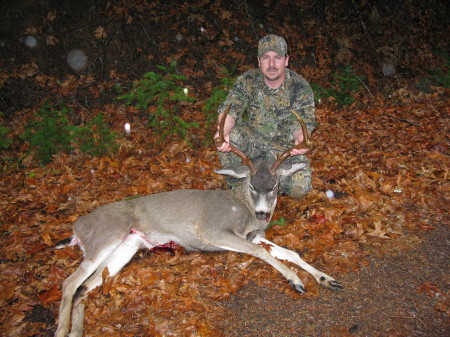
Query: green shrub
344	84
218	95
52	132
166	92
220	92
441	76
437	77
96	138
4	140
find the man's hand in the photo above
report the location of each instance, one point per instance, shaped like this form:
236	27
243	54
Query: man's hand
225	147
229	124
298	138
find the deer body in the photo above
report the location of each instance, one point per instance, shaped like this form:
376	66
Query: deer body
178	216
232	220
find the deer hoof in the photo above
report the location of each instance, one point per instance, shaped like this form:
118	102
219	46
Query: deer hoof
298	287
333	285
336	286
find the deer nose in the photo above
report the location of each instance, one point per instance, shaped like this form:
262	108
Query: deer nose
262	215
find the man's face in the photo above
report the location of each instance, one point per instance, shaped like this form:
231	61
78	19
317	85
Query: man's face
273	66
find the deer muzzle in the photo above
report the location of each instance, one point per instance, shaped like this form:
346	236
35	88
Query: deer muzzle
262	216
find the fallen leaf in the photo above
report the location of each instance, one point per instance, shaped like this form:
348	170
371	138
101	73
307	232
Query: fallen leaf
100	33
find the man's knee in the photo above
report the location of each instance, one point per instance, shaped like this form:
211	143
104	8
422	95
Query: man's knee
297	192
298	185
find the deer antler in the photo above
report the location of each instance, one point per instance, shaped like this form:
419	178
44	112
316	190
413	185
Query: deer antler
305	144
221	139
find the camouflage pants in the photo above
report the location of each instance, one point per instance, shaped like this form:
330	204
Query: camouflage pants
296	186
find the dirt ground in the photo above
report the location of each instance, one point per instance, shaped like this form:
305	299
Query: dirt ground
380	300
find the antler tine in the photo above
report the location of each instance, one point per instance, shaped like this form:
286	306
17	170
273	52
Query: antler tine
221	139
305	144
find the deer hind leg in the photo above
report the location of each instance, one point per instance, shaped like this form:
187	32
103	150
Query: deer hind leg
70	286
235	243
288	255
114	262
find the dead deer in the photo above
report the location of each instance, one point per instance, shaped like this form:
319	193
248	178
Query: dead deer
211	220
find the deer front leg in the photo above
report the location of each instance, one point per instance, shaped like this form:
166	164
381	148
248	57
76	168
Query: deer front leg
235	243
288	255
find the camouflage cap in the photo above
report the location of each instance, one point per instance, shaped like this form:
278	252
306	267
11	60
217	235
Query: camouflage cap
274	43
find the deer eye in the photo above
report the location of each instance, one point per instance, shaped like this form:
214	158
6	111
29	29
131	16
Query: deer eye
253	191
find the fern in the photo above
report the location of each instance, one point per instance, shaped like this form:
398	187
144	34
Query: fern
4	140
96	138
345	83
165	92
218	95
50	133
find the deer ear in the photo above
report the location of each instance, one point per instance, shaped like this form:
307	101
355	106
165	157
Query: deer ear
288	169
235	172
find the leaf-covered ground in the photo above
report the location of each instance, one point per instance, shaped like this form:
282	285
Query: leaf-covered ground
385	158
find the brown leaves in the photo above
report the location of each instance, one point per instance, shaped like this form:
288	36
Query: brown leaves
385	163
266	246
429	289
100	33
51	295
51	40
7	293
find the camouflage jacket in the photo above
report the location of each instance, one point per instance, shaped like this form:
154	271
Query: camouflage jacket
269	111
